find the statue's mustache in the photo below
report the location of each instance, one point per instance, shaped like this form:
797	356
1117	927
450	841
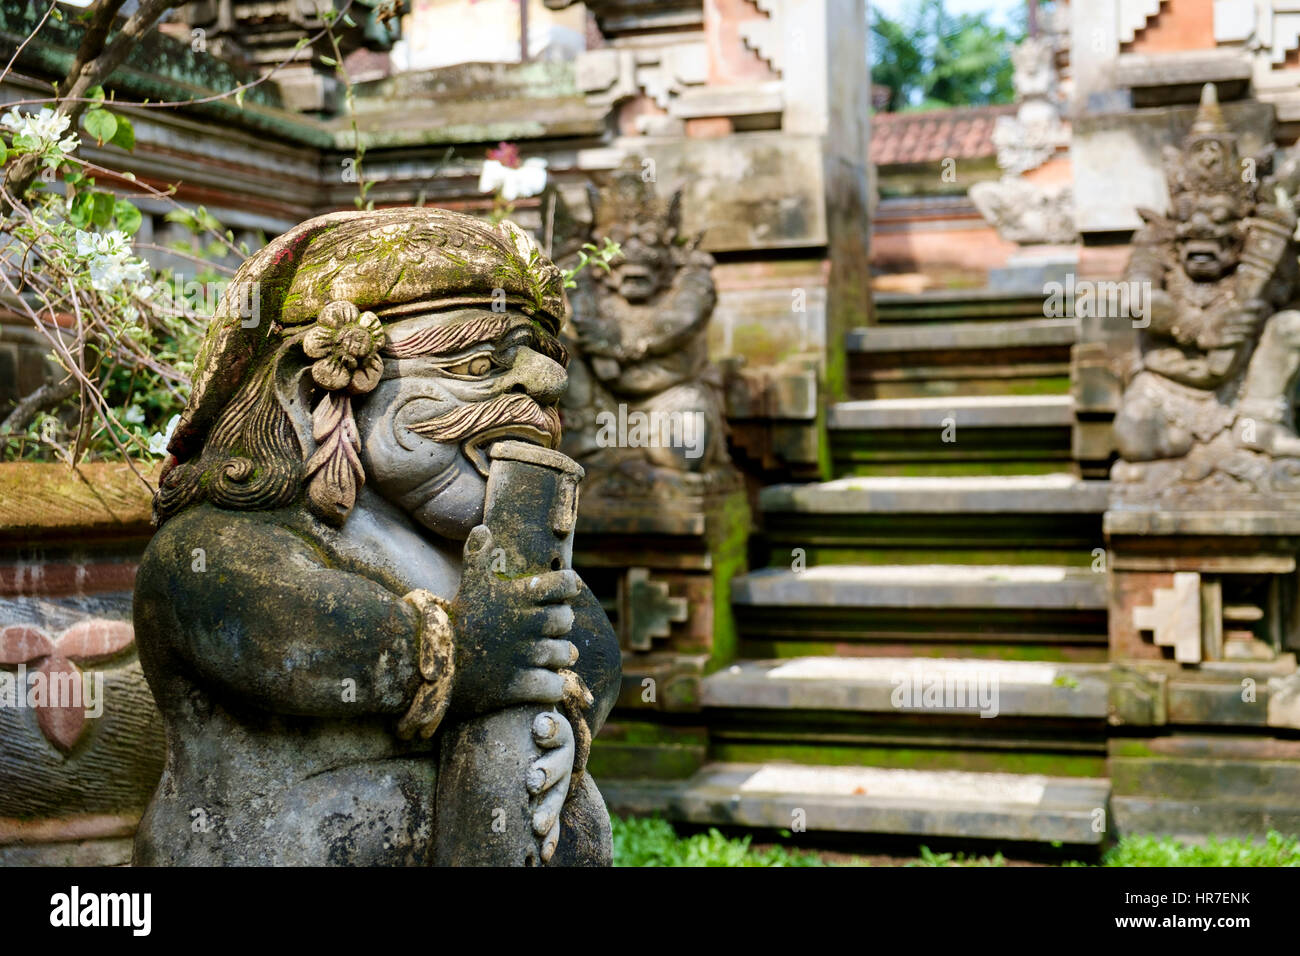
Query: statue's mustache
512	409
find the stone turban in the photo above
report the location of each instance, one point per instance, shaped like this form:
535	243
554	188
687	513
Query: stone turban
392	262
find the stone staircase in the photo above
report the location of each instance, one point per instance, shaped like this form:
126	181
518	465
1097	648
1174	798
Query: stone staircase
924	653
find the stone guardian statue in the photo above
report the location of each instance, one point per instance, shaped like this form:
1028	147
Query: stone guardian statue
358	616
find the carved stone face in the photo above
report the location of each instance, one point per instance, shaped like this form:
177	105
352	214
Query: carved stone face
1208	237
426	428
646	262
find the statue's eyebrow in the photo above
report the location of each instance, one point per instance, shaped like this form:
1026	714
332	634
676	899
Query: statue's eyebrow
445	339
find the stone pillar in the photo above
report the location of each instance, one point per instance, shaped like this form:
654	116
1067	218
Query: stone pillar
846	80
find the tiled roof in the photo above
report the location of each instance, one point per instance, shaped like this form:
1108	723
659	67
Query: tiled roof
965	132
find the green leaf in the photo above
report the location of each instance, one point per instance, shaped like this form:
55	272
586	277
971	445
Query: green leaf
329	60
182	216
125	134
101	208
79	210
239	97
127	216
100	124
95	93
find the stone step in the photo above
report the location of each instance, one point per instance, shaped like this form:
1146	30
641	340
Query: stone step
940	435
1016	357
872	800
912	685
1050	518
1056	493
953	610
964	336
1019	587
966	411
967	305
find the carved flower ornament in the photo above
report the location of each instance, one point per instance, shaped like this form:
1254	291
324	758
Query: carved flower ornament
345	343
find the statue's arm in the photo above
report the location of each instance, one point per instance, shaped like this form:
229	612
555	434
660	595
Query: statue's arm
1200	371
266	620
686	310
599	660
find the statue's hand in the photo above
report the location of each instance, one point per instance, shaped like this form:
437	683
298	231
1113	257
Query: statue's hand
509	633
1238	326
549	777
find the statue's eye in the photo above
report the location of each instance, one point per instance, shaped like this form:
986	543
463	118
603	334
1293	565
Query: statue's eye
479	365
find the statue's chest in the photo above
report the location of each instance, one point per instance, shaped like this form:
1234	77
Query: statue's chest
373	544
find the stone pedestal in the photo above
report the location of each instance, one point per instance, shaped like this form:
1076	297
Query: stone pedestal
1204	691
662	568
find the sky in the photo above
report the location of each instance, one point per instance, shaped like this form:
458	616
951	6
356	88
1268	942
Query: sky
892	8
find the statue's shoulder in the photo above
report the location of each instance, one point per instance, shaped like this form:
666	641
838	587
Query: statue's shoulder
204	535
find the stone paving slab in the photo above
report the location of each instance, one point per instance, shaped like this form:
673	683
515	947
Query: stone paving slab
1026	807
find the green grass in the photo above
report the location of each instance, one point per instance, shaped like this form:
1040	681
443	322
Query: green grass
654	842
1275	850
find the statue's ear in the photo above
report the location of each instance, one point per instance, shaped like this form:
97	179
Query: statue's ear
294	390
675	212
593	202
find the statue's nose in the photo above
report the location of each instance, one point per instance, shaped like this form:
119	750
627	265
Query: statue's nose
542	378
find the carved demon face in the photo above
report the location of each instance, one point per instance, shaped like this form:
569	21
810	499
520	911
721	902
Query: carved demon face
1209	234
646	264
454	383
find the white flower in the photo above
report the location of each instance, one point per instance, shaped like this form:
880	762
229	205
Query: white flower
158	442
133	415
111	262
43	129
528	180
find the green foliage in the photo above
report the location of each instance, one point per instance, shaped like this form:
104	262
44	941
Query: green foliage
107	127
601	257
653	842
115	327
930	858
931	58
1275	850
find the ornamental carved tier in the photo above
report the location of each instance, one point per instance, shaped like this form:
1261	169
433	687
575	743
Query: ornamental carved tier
644	409
1207	415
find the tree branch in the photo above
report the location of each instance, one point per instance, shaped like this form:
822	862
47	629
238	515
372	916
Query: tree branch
43	399
94	63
